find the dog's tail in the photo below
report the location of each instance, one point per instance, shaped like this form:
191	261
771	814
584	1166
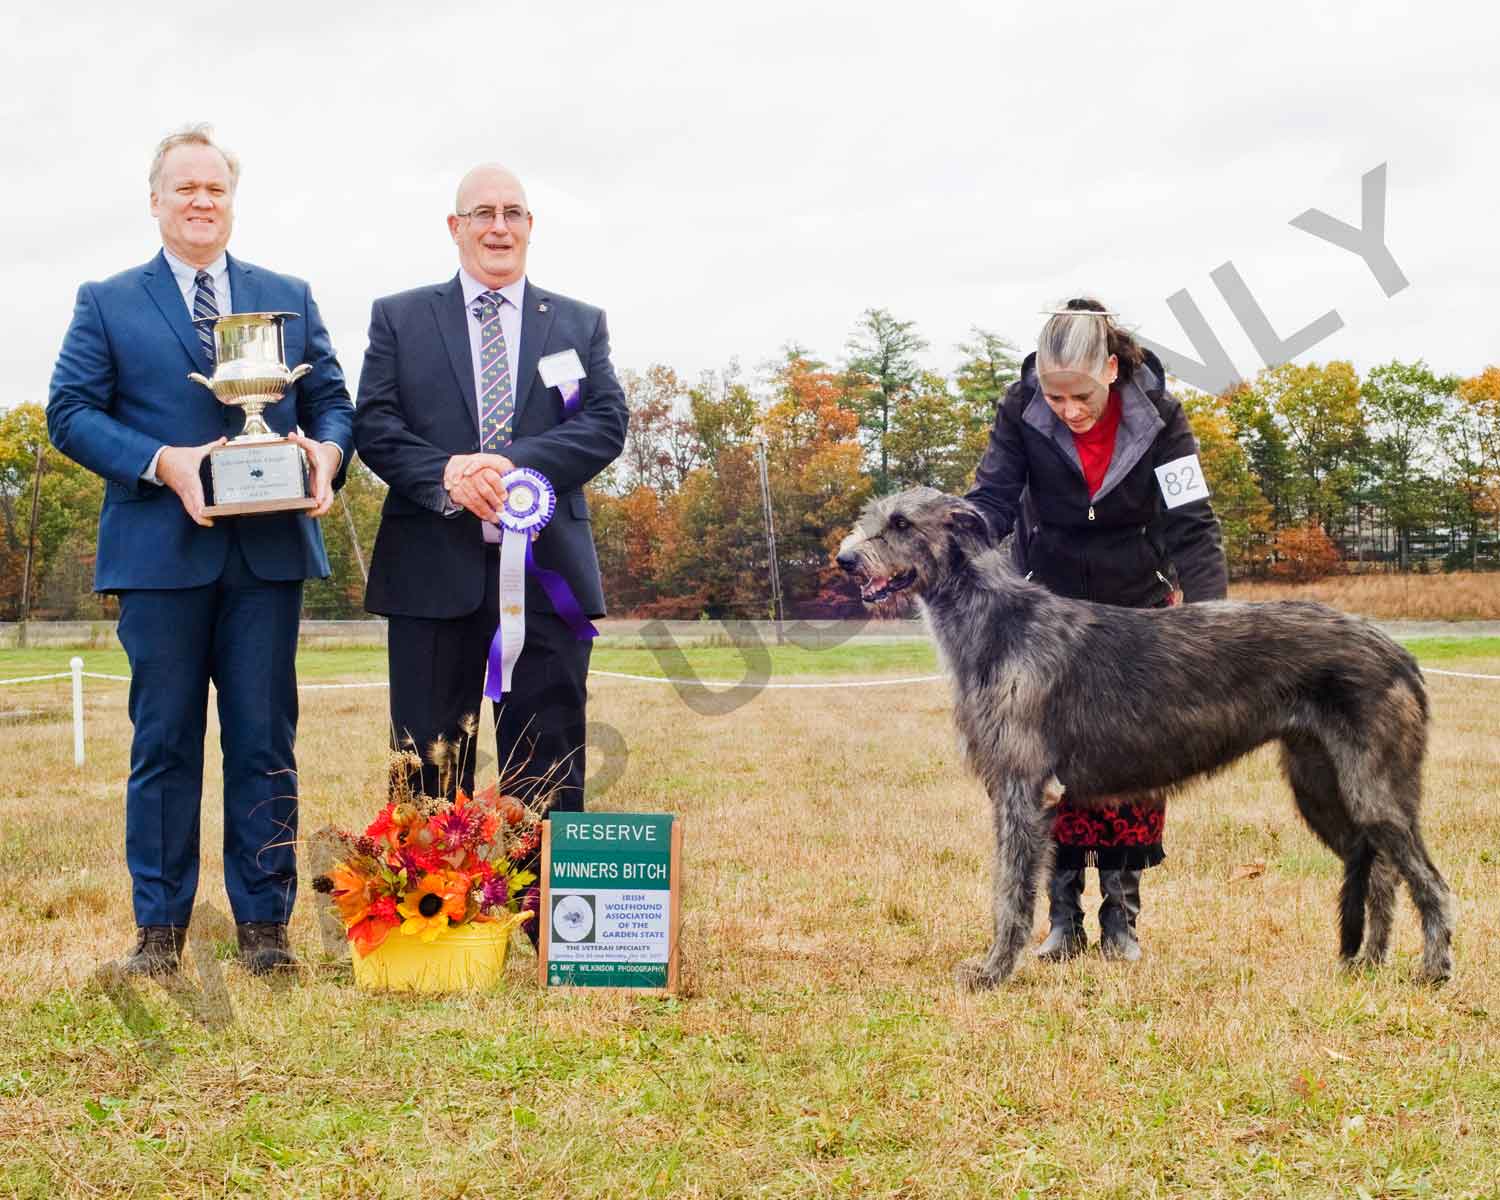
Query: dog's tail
1352	896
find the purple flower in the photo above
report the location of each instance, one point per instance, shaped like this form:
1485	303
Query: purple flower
495	893
531	901
457	825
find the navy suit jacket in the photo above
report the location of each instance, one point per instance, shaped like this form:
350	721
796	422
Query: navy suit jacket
417	408
120	391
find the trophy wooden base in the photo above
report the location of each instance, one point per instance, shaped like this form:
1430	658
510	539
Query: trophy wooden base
245	478
251	507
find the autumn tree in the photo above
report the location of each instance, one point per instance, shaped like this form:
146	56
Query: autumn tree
1243	512
990	365
1404	404
817	488
883	373
716	565
634	536
67	516
722	409
349	529
1317	408
1470	435
661	442
931	441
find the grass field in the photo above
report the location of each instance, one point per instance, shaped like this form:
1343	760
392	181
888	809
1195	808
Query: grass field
1453	596
836	870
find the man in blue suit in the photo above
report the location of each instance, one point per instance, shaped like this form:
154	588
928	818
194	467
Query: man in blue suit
463	381
199	600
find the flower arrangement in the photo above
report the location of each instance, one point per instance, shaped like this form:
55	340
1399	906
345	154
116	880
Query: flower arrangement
427	865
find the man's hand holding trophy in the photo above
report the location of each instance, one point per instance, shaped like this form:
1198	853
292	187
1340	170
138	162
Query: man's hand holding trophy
258	471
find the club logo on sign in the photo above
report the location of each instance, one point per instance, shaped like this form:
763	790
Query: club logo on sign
573	918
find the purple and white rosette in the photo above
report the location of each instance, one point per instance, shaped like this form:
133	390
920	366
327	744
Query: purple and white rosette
530	502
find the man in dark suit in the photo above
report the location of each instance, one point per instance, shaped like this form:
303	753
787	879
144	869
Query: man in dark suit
199	600
450	399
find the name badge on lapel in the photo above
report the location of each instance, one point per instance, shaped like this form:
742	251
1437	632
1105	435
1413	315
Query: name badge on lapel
563	371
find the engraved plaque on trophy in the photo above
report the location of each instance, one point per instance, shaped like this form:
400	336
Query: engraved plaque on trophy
258	471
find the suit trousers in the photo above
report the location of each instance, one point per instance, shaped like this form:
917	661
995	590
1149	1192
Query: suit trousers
437	680
240	632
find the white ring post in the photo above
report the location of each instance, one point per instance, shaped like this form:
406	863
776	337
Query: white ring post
77	665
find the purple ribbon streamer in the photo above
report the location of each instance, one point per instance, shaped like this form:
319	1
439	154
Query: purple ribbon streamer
571	401
562	598
563	601
493	688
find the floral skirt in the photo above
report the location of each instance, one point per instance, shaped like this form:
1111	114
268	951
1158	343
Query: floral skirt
1124	838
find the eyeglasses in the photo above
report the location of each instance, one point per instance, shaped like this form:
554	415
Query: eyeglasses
485	215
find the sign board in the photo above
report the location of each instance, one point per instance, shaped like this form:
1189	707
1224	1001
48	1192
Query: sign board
611	900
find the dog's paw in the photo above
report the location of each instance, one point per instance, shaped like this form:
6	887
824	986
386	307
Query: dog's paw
972	975
1437	973
1365	962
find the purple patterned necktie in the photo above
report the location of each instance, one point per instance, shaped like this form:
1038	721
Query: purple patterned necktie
497	404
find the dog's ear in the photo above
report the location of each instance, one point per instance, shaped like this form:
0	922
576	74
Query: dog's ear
966	519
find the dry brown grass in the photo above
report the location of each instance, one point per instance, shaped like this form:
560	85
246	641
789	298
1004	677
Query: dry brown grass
1459	596
837	868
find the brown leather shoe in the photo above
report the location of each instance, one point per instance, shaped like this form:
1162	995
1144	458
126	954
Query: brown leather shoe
158	950
263	947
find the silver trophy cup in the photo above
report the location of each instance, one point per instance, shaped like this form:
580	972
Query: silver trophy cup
259	470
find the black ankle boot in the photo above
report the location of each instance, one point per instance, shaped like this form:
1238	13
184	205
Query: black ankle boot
1122	904
263	946
158	950
1066	938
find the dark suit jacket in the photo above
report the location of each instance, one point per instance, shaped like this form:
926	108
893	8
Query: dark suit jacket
417	409
120	391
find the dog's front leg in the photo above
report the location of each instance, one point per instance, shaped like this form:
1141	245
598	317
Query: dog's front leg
1022	846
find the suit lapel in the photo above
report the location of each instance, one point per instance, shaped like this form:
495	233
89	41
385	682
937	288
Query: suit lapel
453	324
244	287
161	286
537	309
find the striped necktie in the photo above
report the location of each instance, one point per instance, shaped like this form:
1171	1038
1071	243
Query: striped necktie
497	402
205	304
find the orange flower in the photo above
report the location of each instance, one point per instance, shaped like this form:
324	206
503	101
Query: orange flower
368	934
382	824
353	892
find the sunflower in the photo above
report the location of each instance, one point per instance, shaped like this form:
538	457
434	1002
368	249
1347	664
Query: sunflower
440	897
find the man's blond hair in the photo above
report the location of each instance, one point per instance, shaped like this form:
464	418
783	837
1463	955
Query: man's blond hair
201	134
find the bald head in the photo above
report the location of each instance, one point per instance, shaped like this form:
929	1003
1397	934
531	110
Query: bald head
486	174
491	225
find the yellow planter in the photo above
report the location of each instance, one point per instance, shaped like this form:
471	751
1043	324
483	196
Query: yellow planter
465	958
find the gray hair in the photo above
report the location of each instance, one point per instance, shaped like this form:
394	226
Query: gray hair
1070	343
1081	336
200	134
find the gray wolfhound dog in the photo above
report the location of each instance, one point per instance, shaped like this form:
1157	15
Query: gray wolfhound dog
1054	694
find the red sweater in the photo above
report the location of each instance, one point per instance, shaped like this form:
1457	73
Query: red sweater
1097	446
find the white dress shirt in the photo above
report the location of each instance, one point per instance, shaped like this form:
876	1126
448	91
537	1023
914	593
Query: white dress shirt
187	280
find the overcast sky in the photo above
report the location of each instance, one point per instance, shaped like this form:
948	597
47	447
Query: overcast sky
724	179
